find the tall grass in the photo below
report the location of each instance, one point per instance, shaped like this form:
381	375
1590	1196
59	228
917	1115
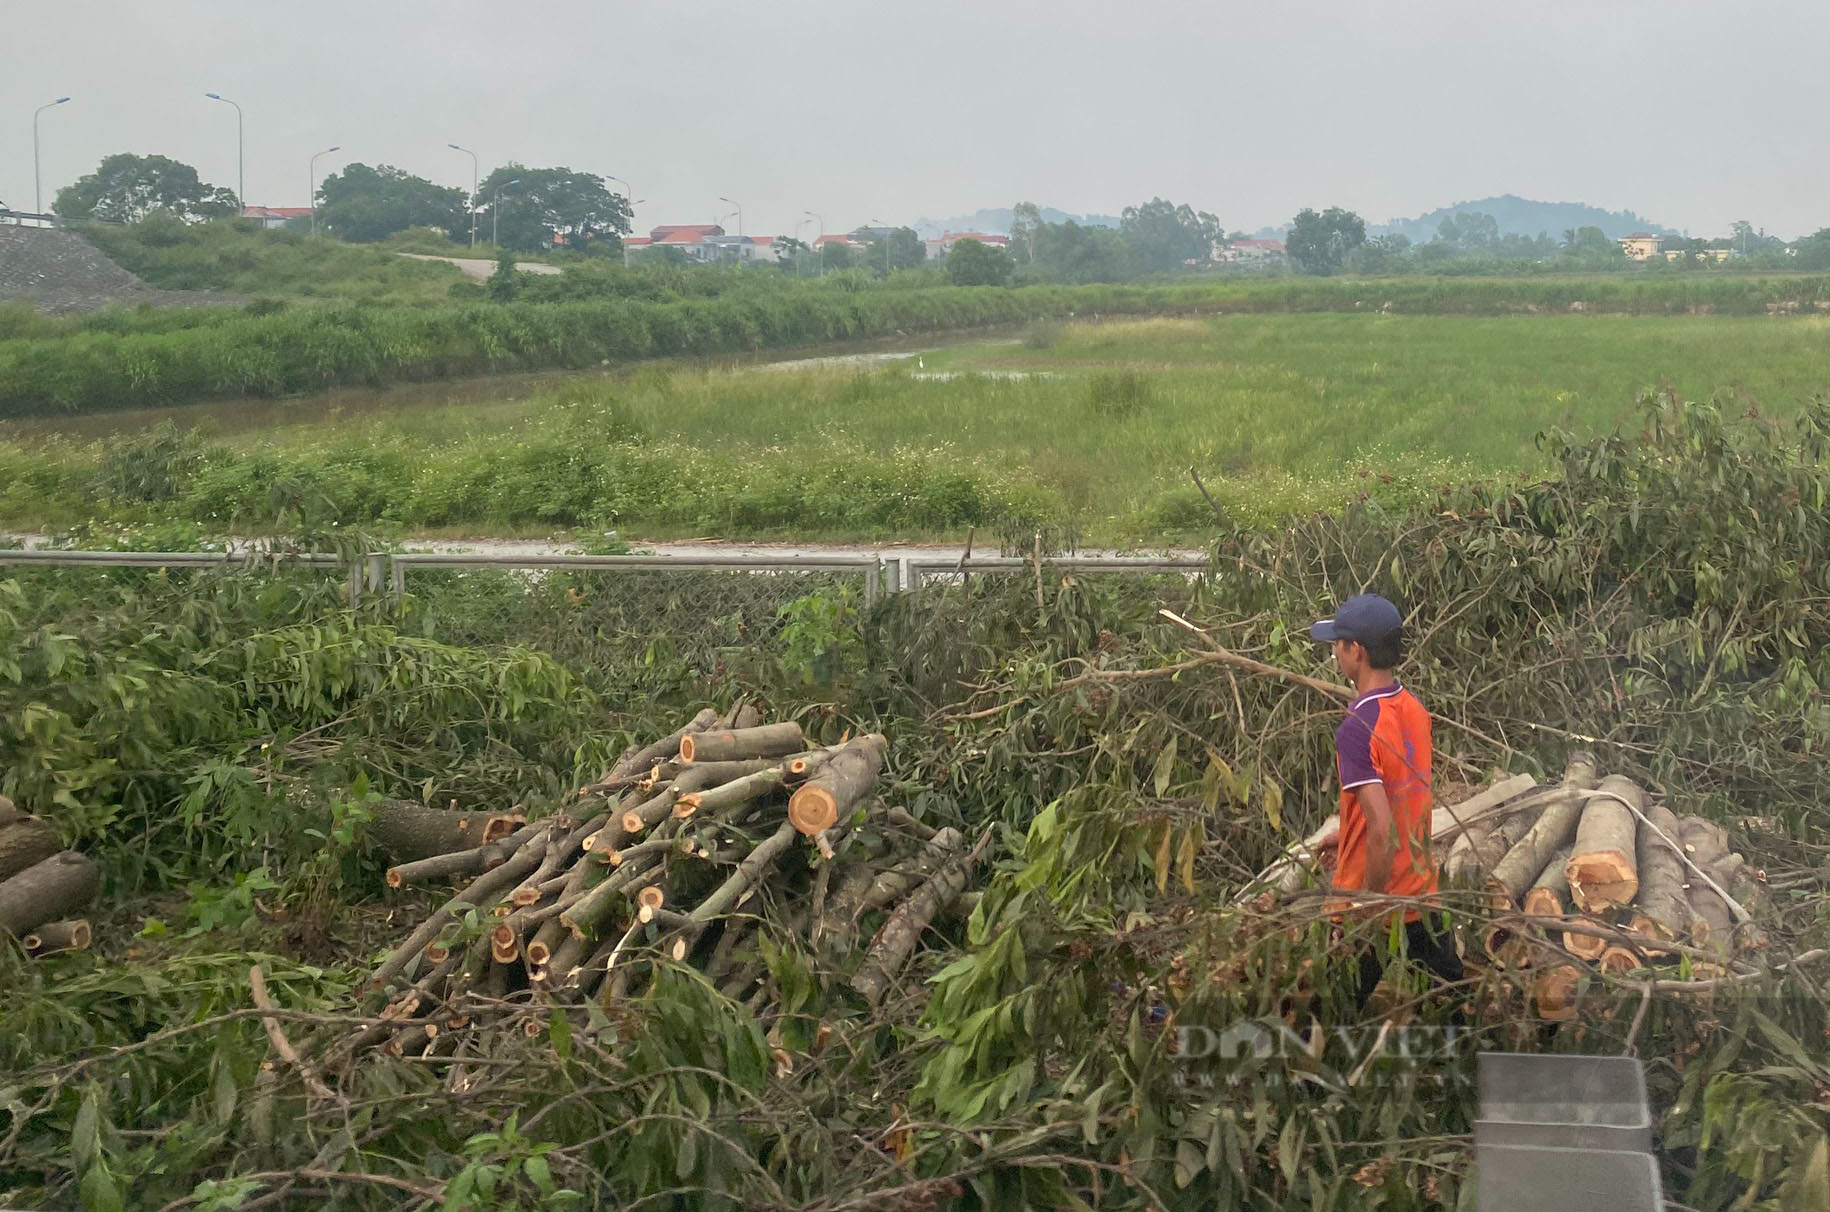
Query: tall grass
306	349
1278	415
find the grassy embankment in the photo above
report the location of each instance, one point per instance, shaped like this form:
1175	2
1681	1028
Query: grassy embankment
1093	425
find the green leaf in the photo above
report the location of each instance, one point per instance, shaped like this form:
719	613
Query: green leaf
85	1133
1274	804
559	1030
687	1156
1165	767
99	1191
540	1174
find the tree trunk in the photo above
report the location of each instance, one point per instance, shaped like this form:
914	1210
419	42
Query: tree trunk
1554	989
1712	926
48	890
25	841
1704	842
767	740
1603	868
1617	959
896	942
847	777
58	936
407	831
1584	946
1548	896
1661	909
1555	825
637	762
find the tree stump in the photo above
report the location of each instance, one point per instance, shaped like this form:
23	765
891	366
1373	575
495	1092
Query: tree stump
47	891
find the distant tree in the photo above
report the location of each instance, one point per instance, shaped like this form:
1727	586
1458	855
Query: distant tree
505	283
364	204
126	188
1591	243
1380	255
1469	232
552	205
1025	225
793	256
974	263
1069	252
1164	236
1321	243
835	256
1813	252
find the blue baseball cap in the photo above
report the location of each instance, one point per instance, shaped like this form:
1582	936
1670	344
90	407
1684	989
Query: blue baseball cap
1365	618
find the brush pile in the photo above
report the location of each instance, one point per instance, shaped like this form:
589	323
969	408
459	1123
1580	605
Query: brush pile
1585	871
41	883
688	850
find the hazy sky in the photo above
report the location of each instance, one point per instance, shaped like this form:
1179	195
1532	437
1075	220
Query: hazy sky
1693	114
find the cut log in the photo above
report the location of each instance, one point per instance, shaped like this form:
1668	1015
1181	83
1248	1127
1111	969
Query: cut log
1603	868
640	761
1584	946
1661	910
1554	989
58	936
1556	825
1548	895
25	841
895	943
766	740
1704	841
47	891
408	831
1712	926
745	717
700	775
847	777
1461	865
1617	959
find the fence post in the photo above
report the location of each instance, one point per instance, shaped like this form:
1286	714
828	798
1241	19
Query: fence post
378	570
397	578
871	577
355	583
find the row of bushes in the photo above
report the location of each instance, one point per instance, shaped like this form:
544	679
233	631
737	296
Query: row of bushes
579	466
308	349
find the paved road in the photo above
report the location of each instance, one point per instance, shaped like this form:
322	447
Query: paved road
480	269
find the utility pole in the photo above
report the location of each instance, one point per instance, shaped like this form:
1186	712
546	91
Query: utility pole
311	183
473	190
241	148
37	190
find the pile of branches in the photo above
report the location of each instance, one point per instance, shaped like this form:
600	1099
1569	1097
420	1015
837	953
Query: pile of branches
685	851
41	883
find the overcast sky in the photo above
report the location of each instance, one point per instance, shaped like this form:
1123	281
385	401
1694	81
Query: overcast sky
1693	114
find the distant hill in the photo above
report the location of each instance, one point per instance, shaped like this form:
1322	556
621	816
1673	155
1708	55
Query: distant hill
1518	216
996	221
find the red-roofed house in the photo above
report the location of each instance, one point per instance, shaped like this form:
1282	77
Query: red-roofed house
275	216
1254	252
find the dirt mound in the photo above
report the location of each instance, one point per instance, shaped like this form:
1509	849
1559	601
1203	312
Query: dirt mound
56	270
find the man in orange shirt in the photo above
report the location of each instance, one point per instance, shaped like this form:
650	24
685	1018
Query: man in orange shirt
1382	752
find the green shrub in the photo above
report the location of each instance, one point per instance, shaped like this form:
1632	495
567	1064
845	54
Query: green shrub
1118	394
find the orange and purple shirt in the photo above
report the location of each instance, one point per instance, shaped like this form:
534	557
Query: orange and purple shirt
1386	739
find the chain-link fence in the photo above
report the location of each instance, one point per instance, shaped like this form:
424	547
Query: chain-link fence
602	613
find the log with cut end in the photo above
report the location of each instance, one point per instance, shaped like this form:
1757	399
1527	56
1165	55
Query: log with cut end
1585	945
1603	868
1556	824
408	831
47	891
1616	959
640	761
1554	989
1547	895
1661	910
73	935
1712	926
765	740
25	841
847	777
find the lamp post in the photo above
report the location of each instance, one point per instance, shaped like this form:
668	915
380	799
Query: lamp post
473	190
495	212
241	176
629	193
739	206
311	182
819	238
886	244
37	191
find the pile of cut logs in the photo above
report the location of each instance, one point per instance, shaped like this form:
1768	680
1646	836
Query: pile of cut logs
41	884
686	850
1594	869
1585	871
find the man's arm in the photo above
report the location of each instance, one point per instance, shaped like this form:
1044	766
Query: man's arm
1381	836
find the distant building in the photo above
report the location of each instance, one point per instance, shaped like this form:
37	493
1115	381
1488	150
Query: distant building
1642	246
820	242
941	245
1254	252
275	216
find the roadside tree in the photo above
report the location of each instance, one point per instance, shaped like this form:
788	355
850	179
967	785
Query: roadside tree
126	188
972	263
1321	243
554	206
366	203
1164	236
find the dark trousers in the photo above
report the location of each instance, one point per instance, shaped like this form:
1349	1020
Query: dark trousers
1428	942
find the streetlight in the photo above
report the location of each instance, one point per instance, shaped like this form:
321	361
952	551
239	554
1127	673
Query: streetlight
819	238
241	178
495	212
886	244
473	190
37	193
311	182
739	206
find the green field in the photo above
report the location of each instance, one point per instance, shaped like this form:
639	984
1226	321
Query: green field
1094	425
